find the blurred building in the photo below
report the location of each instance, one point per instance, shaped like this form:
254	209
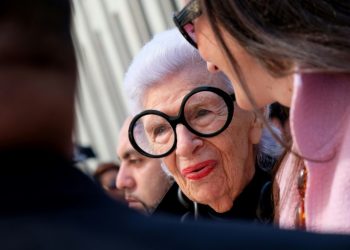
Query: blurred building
108	33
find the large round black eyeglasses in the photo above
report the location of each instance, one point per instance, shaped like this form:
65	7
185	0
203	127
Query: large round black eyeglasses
205	111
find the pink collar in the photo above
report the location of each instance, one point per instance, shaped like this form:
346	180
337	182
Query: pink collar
320	105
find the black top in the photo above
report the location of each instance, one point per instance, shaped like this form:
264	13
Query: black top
170	204
255	203
48	204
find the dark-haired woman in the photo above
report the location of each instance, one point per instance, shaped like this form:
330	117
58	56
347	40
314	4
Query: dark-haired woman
298	54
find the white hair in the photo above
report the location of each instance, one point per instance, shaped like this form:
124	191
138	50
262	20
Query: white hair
269	150
167	54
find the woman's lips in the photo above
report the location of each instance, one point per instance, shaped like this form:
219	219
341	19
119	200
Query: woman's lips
199	171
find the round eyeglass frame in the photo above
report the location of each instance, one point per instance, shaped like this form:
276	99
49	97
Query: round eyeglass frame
180	118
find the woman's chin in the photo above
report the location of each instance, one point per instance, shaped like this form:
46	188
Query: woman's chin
245	104
221	206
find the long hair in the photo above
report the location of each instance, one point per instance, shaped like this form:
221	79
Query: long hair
308	35
313	34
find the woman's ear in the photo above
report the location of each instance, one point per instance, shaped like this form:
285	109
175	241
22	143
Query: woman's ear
256	129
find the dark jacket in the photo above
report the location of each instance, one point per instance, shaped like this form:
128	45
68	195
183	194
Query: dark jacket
254	204
48	204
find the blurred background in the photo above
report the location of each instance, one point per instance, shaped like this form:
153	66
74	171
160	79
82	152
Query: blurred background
108	34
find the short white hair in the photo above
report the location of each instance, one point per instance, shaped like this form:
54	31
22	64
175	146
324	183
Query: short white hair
167	54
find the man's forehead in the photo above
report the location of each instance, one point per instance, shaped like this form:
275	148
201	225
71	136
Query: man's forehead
125	150
128	153
123	141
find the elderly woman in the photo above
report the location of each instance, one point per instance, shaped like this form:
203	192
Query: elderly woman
209	145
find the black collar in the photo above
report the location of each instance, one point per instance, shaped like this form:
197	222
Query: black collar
254	203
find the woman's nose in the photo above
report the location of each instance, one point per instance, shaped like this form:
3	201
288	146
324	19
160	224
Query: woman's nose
125	179
187	142
212	68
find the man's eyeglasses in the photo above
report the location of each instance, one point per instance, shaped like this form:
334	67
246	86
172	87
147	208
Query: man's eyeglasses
205	111
184	21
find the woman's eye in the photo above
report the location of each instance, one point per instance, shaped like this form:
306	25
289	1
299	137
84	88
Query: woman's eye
201	113
159	131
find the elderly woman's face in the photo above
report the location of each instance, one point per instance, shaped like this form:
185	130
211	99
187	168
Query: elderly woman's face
214	170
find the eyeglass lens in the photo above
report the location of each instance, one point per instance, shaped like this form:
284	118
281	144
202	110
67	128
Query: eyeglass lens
205	112
154	134
184	21
189	29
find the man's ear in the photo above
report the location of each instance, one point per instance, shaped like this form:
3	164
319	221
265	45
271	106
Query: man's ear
256	129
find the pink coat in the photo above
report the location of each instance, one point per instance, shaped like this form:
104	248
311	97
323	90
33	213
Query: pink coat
320	127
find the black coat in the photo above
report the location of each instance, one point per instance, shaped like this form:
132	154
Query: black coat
48	204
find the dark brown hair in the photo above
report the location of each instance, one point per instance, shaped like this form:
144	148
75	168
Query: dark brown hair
314	34
310	34
103	168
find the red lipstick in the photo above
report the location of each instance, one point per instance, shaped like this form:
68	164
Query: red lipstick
200	170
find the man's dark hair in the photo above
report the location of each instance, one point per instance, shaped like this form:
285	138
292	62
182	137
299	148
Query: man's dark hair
279	112
103	168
